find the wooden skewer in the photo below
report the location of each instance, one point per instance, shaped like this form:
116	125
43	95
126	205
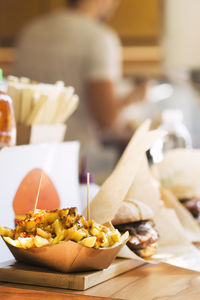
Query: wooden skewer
88	196
38	191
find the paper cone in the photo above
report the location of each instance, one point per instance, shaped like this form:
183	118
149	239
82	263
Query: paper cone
108	200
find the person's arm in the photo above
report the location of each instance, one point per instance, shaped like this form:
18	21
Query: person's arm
103	104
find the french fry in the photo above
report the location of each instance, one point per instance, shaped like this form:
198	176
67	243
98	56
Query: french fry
50	217
114	237
102	240
4	231
57	227
89	241
15	243
44	234
60	237
30	225
40	242
63	212
75	235
26	242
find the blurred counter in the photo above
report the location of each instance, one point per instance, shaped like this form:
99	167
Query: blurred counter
142	60
137	60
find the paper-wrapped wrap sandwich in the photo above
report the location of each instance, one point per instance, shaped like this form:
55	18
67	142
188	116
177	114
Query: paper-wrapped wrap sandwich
180	173
137	218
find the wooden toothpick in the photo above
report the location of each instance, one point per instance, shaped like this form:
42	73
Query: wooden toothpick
38	191
88	196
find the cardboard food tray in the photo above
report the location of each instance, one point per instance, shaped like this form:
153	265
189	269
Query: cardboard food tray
20	273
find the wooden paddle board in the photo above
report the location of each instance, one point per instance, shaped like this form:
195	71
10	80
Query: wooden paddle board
20	273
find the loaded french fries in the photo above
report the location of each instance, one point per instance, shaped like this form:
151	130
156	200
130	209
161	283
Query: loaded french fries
43	228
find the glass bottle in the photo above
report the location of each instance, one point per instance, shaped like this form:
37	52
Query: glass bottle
177	135
7	119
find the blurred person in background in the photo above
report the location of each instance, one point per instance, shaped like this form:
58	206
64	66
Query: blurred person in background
76	46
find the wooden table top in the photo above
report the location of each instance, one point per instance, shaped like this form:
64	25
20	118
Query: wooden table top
148	282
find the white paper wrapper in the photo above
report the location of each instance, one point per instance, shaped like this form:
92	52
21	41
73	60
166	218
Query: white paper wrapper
132	179
190	225
179	171
179	176
108	200
146	190
174	247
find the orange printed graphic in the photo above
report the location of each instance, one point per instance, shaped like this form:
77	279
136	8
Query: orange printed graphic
25	196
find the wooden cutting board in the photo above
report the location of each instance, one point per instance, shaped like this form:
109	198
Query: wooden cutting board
19	273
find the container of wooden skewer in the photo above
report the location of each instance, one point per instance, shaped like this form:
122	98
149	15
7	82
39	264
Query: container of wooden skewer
41	110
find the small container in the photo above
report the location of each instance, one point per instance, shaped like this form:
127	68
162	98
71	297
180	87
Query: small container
177	135
7	120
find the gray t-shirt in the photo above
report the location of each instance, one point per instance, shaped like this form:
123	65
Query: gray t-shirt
71	47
